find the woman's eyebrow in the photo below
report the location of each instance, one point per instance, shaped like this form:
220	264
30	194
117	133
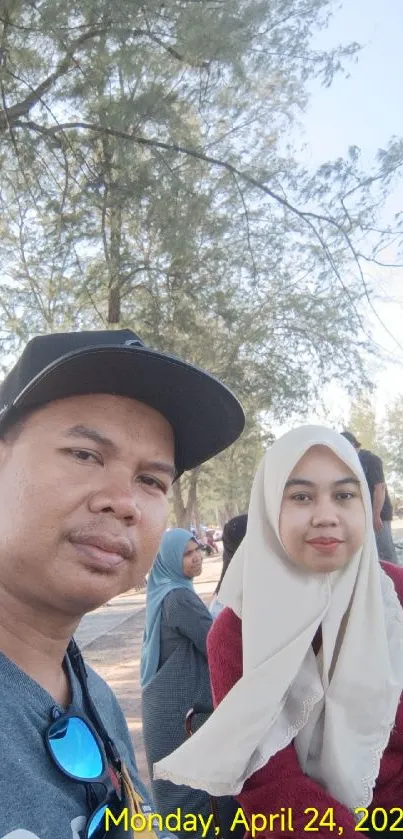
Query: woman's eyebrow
299	482
354	481
304	482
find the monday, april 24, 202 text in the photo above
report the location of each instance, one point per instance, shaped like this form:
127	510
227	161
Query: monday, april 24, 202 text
283	822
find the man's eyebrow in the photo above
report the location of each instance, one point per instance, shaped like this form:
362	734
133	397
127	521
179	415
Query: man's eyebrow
159	466
303	482
82	432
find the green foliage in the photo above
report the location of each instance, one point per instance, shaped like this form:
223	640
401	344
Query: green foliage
393	442
363	423
145	183
225	483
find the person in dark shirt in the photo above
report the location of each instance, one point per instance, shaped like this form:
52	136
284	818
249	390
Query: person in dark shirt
382	510
232	535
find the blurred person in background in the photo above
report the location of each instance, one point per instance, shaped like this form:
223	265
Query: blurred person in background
233	533
382	509
174	669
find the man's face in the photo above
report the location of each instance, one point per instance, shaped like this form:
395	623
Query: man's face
83	501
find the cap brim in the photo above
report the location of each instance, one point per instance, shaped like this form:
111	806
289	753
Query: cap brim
205	415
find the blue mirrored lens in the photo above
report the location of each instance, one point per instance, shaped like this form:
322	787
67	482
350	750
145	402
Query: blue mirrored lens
75	748
97	821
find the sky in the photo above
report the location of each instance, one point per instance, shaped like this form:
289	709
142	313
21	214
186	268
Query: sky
365	110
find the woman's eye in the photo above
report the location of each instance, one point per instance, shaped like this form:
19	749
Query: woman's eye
301	496
345	496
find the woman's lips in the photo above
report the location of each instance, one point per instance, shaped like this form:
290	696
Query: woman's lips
326	546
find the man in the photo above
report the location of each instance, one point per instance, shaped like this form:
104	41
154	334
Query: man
381	505
94	427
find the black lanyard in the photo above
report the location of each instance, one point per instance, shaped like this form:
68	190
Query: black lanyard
78	666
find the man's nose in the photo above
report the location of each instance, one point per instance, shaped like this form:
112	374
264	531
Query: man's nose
117	497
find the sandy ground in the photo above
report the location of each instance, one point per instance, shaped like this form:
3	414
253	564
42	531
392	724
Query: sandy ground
111	640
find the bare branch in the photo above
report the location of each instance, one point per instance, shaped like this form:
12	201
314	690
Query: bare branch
247	224
381	264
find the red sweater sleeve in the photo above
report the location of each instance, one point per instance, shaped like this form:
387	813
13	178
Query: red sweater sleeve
395	572
280	787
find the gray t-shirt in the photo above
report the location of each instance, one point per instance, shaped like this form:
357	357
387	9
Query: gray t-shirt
36	800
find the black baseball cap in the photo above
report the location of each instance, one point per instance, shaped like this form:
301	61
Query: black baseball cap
351	439
205	415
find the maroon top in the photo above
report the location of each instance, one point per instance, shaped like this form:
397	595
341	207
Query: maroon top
281	783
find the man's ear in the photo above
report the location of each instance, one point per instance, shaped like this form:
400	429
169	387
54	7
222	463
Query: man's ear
5	446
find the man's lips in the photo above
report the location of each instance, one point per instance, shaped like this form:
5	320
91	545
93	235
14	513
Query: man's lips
103	549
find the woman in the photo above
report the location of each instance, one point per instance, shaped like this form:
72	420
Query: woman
233	533
309	655
174	670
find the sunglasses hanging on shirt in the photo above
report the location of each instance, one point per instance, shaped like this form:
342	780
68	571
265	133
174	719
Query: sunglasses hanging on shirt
78	752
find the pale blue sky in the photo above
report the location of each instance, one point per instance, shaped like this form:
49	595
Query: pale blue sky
364	110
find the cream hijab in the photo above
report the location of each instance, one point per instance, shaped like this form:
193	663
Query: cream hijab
338	713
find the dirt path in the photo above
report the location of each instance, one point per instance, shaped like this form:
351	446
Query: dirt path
115	652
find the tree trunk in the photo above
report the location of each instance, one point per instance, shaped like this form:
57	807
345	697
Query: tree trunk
114	301
184	512
114	306
228	511
179	507
197	518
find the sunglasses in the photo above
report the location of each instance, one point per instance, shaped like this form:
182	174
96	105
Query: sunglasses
78	752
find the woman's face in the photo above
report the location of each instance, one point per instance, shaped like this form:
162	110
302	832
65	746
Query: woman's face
192	560
322	517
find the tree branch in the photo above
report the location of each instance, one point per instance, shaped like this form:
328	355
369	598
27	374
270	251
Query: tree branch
173	147
170	50
308	217
23	108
